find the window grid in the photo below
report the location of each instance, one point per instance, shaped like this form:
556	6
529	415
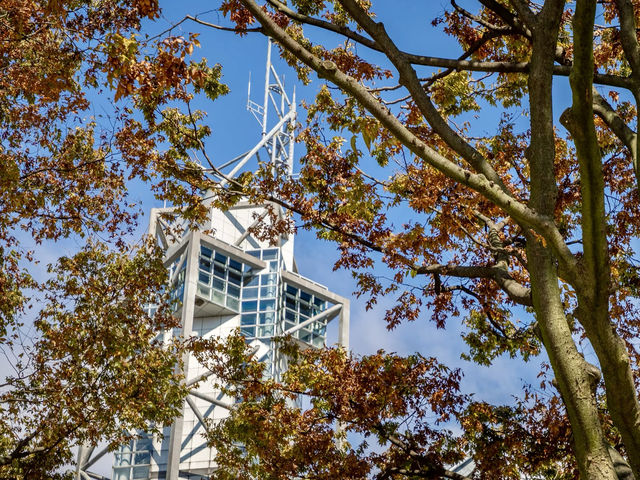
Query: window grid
220	277
299	306
260	296
133	461
176	296
267	305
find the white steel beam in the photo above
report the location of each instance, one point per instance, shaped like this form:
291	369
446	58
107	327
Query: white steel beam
188	307
210	399
247	231
198	414
257	147
318	290
329	314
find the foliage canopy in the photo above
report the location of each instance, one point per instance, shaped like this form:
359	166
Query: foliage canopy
527	234
84	363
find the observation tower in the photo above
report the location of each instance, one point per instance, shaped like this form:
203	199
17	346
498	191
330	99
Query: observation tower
224	280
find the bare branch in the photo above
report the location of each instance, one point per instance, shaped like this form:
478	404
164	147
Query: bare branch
605	111
316	22
478	19
516	292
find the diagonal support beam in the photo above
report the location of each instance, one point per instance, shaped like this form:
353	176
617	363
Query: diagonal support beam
329	314
247	231
290	115
195	380
89	461
210	399
198	414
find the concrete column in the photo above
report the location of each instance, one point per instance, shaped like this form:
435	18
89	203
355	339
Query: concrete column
188	306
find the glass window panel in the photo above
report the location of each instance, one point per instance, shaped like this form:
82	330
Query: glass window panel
204	278
305	310
233	291
318	302
205	251
254	253
288	325
250	293
270	254
273	266
291	303
205	264
268	317
219	284
269	291
318	341
144	443
219	271
221	258
248	331
290	315
250	306
265	331
218	297
235	278
248	319
233	303
267	305
121	473
124	458
305	336
305	296
140	472
268	278
252	281
293	291
142	457
204	291
235	264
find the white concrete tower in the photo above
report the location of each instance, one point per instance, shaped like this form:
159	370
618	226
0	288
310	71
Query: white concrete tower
224	280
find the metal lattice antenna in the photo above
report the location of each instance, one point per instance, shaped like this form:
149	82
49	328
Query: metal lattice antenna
276	117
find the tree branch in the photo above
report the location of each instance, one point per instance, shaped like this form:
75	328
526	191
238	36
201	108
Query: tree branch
627	136
628	37
520	212
437	62
316	22
478	19
410	80
517	292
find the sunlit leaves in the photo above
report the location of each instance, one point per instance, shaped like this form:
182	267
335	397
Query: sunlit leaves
92	367
397	402
98	367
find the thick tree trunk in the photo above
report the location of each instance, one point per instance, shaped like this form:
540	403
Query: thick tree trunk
616	371
570	369
594	288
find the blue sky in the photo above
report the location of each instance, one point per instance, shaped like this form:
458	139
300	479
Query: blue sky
235	131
